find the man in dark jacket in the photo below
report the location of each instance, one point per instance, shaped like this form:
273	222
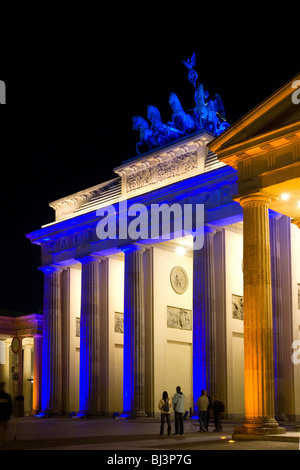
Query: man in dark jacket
5	412
218	409
178	405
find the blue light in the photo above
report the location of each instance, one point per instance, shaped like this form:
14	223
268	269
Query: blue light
128	353
187	189
201	324
83	369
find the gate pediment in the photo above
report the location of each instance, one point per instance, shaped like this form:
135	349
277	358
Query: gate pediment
264	146
272	124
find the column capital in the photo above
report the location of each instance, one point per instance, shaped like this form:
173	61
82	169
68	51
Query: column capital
274	215
131	248
257	199
52	268
89	258
209	230
36	335
296	222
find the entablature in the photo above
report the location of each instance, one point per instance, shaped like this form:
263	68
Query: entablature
70	239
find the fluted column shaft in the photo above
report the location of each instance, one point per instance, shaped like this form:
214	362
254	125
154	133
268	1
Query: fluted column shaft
204	314
134	333
258	327
277	311
51	380
89	389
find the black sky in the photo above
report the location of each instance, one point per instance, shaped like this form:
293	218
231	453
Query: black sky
71	96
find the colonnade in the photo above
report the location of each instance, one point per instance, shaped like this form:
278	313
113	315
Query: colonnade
90	389
21	367
260	325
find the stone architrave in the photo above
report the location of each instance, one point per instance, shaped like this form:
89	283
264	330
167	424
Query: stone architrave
134	333
258	324
52	370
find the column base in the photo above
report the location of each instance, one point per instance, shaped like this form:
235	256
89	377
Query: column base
257	432
134	414
48	413
89	414
140	414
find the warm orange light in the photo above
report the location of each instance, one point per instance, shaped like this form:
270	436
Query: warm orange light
285	196
231	441
180	250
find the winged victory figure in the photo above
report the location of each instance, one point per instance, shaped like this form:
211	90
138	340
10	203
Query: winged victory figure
190	64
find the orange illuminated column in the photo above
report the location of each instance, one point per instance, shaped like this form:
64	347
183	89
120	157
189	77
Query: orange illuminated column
258	329
37	374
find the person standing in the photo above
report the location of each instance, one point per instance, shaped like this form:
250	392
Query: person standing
208	411
202	404
178	405
5	412
165	406
218	409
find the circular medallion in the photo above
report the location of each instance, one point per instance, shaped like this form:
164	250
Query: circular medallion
15	344
179	280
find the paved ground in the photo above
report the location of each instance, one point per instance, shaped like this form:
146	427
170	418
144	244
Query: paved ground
112	435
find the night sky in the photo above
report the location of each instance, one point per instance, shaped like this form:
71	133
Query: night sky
70	102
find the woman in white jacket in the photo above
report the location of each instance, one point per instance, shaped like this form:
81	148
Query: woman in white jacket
165	406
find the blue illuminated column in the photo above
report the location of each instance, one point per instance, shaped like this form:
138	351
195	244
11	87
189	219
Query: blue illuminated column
204	314
134	333
89	384
51	362
276	262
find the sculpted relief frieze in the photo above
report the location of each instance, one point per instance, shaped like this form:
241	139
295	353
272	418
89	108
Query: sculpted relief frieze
175	167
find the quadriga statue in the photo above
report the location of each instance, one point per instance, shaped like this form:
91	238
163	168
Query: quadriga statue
180	118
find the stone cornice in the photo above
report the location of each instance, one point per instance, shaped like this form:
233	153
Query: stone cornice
261	144
26	325
68	204
280	100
